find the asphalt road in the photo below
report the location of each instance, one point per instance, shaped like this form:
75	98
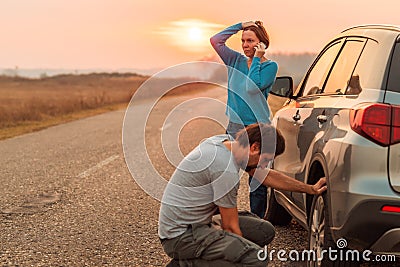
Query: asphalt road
68	199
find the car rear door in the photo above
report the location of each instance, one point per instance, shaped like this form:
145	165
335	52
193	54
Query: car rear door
393	97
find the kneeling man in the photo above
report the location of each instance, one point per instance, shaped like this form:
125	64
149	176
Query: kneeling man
206	182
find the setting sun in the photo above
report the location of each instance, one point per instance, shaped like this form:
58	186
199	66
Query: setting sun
195	34
190	35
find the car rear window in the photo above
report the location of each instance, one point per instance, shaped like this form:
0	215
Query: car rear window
366	68
394	73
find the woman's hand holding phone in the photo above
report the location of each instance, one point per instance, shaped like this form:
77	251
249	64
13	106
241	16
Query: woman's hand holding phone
260	50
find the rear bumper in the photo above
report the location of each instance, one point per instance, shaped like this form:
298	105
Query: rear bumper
367	227
388	242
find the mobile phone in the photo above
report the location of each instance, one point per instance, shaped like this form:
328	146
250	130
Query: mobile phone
263	45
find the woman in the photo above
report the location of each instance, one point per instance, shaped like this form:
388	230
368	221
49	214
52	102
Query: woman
250	78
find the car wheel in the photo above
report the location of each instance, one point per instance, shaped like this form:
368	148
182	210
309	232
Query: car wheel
320	238
275	213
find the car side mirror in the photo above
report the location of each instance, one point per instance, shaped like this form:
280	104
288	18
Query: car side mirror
283	87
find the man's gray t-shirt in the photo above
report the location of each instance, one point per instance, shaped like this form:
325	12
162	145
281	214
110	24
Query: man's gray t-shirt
206	178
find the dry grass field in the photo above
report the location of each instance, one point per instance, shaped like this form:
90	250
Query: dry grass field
23	99
28	105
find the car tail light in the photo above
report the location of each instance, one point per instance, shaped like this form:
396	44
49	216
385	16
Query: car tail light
379	123
395	125
391	209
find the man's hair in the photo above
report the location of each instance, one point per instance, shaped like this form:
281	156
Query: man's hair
267	136
260	32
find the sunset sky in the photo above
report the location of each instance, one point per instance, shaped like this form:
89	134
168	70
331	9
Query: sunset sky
157	34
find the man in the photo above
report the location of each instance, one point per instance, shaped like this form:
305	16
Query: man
207	181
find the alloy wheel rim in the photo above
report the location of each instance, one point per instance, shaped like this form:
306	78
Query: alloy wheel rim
317	231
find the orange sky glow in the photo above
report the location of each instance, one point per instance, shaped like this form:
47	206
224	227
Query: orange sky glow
158	34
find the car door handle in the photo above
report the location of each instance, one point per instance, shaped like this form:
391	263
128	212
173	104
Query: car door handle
322	118
297	116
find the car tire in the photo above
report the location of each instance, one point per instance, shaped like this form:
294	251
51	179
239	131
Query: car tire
320	238
275	213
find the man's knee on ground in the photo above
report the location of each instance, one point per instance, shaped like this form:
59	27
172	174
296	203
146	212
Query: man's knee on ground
269	231
257	230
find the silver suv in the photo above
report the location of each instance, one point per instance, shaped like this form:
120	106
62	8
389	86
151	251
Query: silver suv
343	123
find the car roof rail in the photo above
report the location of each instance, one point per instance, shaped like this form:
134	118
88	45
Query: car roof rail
375	26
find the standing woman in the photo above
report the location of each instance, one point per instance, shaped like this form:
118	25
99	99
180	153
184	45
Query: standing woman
250	78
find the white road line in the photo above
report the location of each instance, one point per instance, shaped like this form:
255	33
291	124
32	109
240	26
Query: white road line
97	166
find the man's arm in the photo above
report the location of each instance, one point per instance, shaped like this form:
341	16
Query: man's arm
230	220
281	181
